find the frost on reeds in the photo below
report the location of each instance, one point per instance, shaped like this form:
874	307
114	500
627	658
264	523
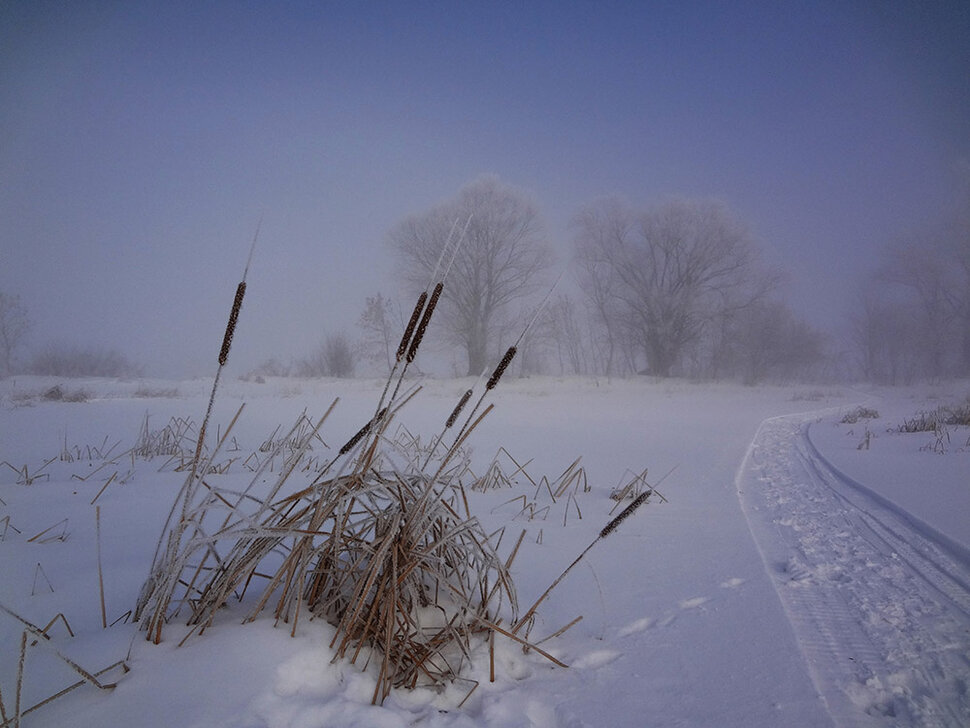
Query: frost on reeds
375	548
378	540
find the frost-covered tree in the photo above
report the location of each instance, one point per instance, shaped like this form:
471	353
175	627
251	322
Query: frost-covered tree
924	277
658	279
501	261
376	323
333	358
14	326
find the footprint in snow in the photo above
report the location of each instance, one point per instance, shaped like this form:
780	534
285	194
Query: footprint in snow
596	659
639	625
694	603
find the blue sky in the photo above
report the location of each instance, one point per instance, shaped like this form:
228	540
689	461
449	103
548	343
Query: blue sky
142	142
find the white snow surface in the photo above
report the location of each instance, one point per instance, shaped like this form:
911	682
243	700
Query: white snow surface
790	579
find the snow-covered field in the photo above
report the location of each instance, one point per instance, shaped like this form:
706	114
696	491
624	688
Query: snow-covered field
791	578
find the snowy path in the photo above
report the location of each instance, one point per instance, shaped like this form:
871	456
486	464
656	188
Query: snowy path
880	608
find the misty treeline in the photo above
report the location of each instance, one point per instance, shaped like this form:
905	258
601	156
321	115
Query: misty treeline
673	289
911	320
677	289
59	360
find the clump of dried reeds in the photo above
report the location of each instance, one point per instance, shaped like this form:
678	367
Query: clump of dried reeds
379	552
378	549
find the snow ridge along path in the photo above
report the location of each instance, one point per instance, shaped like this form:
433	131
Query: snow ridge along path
880	607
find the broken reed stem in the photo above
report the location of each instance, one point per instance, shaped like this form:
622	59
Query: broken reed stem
562	630
97	531
525	643
39	570
60	616
17	714
7	722
63	521
104	487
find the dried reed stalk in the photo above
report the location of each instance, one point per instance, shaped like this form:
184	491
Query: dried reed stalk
17	712
97	531
605	532
63	522
378	550
104	487
9	722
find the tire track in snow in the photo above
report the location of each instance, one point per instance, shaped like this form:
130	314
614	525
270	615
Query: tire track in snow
880	608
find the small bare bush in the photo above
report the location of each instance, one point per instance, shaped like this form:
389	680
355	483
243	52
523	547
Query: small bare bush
144	392
859	413
57	393
73	362
333	358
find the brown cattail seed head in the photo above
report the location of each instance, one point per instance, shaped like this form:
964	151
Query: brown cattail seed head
403	346
625	513
362	432
458	408
500	369
231	326
425	319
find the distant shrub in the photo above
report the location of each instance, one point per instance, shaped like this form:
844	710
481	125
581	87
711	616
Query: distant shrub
960	413
333	358
72	362
156	392
269	368
933	420
59	394
859	413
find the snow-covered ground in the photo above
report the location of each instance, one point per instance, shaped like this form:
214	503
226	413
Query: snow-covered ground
790	578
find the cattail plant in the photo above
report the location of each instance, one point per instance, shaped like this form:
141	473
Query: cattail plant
420	318
608	529
378	550
161	593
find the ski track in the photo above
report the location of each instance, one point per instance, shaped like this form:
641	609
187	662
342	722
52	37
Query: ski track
880	608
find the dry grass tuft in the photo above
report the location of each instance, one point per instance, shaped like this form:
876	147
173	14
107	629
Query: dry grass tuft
373	540
375	547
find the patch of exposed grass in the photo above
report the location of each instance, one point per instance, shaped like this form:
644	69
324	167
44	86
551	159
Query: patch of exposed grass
859	413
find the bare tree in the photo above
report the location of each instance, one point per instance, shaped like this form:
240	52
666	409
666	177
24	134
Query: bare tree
333	358
959	245
376	323
14	326
770	343
600	230
913	319
885	337
924	276
568	336
664	275
500	262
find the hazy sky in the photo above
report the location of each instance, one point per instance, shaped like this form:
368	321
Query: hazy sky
140	143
